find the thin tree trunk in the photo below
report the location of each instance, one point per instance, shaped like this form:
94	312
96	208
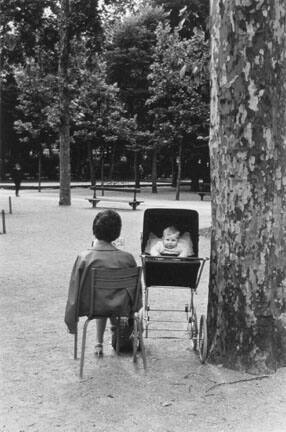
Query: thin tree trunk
247	297
174	171
91	164
154	170
65	172
102	170
179	164
112	163
40	154
136	170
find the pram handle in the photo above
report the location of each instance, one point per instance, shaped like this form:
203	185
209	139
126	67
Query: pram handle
173	258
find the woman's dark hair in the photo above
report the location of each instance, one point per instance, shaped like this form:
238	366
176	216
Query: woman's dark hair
107	225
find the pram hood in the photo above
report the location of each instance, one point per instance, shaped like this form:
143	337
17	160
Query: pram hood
157	219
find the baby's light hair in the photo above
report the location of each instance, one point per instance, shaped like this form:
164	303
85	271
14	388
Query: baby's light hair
171	230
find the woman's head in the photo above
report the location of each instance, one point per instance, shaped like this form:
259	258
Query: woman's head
107	225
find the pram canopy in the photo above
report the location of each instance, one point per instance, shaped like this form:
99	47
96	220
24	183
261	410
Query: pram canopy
164	270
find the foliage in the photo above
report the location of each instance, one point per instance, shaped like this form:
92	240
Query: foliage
108	92
178	88
186	14
114	11
34	98
25	24
129	57
99	115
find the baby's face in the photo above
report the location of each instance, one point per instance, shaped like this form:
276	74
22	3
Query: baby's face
170	241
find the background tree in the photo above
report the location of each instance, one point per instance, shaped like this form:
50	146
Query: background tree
33	27
34	23
129	56
178	89
99	115
20	25
34	97
77	19
247	302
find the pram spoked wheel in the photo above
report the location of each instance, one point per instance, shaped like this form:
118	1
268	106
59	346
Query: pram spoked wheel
203	339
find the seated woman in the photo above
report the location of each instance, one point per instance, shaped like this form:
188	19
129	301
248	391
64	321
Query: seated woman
102	254
172	244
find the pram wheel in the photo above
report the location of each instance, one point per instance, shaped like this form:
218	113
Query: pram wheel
193	330
203	339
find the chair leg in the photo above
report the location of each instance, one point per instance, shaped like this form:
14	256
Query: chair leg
135	338
117	335
75	346
83	346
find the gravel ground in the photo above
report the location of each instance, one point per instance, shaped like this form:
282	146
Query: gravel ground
40	386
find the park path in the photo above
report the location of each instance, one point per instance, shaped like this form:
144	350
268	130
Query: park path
40	388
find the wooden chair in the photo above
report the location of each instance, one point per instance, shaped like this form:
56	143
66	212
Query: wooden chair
113	293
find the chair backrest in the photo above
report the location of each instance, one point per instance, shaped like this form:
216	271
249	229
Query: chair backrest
115	292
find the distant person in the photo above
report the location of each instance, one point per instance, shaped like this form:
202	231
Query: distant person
102	254
17	178
141	171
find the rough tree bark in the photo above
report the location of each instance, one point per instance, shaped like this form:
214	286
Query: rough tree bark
64	132
247	292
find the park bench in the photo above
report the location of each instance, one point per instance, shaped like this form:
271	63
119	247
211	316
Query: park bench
96	199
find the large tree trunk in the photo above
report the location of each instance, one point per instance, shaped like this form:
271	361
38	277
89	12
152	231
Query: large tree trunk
65	171
247	292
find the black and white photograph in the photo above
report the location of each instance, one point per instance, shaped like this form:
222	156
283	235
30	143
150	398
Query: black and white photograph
143	215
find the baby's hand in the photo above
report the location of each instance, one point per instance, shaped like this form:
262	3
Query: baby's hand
170	252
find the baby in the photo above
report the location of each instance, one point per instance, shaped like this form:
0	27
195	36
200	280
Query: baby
169	243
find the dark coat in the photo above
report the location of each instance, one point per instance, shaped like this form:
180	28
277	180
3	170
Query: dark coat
17	176
104	255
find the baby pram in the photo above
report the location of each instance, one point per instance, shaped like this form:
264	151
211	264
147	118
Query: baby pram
174	272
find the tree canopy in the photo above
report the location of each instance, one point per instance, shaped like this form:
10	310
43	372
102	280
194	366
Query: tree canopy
125	35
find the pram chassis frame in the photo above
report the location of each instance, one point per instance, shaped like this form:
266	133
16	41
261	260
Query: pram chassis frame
190	310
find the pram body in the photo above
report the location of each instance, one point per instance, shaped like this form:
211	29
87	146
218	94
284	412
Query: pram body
174	272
